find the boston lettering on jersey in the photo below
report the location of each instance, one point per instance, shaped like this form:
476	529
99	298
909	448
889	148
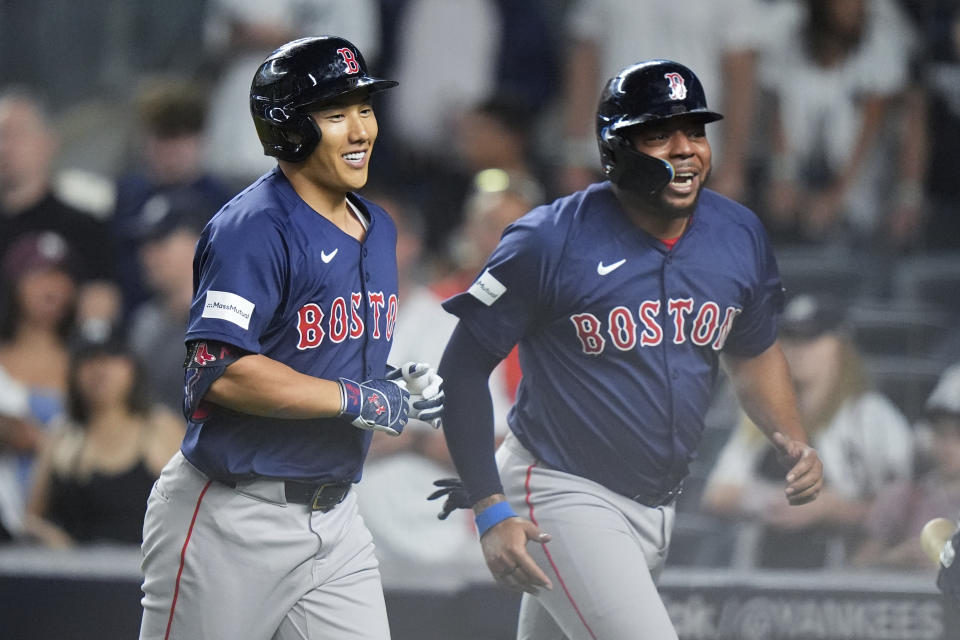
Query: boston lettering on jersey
313	324
707	326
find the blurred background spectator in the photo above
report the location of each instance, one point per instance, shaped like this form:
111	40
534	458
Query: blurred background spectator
166	231
95	473
37	310
863	439
473	76
898	514
165	159
933	117
29	203
832	77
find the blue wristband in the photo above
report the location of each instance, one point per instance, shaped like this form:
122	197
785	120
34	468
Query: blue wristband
494	514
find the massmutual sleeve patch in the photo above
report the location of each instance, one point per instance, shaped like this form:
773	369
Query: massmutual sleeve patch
487	289
228	306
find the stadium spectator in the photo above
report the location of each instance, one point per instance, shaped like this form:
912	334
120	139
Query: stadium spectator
864	440
94	474
832	78
171	117
29	203
926	215
167	229
899	513
497	76
37	310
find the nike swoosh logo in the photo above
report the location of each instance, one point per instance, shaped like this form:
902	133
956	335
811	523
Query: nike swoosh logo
327	257
604	269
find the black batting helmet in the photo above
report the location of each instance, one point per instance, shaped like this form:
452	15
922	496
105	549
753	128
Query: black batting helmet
649	91
299	75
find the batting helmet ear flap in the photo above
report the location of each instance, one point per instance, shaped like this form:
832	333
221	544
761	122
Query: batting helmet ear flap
629	169
302	135
292	135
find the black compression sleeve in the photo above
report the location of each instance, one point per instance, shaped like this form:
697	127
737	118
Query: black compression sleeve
468	412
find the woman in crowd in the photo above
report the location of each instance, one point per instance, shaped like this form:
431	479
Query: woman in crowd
94	475
38	293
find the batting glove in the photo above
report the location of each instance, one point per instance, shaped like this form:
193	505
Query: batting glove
426	393
456	495
948	578
374	405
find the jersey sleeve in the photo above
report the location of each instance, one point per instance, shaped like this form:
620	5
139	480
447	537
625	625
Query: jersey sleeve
239	280
756	327
511	290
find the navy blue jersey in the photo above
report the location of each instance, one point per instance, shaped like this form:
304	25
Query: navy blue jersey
619	336
273	277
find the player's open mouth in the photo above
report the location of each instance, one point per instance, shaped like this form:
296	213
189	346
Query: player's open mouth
684	181
355	158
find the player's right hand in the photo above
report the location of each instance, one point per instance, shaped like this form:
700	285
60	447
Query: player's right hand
505	551
374	405
805	470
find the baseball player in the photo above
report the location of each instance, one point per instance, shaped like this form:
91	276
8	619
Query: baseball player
252	530
624	298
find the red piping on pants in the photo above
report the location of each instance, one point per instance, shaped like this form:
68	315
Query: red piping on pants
550	557
183	557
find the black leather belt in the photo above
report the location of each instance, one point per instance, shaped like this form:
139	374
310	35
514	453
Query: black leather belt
659	499
323	497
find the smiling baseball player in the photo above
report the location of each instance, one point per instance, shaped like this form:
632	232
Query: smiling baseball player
252	530
624	298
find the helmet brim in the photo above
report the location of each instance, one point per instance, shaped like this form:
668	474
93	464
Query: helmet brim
703	116
367	83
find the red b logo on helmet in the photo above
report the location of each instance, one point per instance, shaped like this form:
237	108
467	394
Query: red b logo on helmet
678	88
347	54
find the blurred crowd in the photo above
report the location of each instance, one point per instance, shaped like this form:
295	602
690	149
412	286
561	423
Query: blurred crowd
124	126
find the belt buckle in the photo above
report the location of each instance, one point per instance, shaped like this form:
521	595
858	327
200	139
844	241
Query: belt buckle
317	505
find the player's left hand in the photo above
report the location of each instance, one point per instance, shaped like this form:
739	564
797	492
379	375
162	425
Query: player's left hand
505	551
948	577
805	475
426	392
